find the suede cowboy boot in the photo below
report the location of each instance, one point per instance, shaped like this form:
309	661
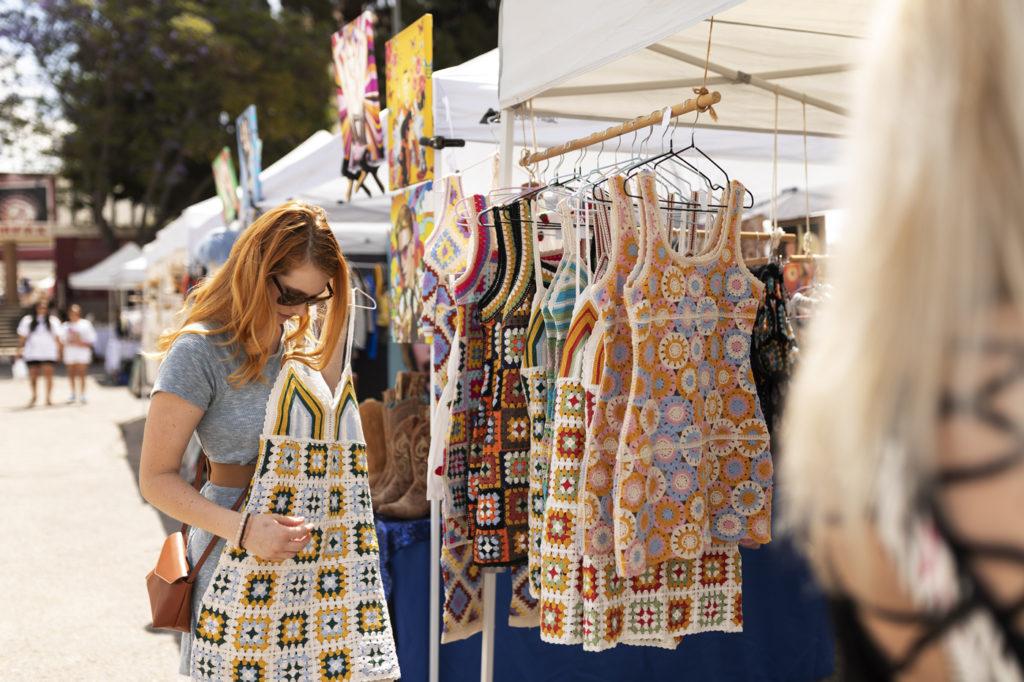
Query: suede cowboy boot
377	486
414	504
371	413
413	385
400	448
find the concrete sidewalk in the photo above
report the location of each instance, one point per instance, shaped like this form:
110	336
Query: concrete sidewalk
78	541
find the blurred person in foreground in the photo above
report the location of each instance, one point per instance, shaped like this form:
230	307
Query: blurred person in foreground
77	336
39	345
903	472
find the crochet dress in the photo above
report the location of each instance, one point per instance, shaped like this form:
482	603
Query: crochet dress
561	602
614	610
322	614
670	599
693	468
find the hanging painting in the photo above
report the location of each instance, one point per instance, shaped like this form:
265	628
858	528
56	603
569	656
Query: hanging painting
226	182
412	221
250	152
410	57
355	75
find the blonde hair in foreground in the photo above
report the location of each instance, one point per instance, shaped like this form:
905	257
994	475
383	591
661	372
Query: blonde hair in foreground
235	300
934	247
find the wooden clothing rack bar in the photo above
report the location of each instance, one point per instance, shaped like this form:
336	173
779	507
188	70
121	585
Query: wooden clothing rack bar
702	103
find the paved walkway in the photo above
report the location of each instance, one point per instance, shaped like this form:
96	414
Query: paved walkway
78	541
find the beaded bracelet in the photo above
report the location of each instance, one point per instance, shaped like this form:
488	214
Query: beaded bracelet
241	529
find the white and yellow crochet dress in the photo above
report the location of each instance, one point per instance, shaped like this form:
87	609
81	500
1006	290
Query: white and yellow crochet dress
322	614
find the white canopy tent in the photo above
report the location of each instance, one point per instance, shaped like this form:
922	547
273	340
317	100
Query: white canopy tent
464	94
274	178
105	274
793	202
311	172
632	58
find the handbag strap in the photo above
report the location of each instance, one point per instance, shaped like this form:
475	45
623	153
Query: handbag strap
203	466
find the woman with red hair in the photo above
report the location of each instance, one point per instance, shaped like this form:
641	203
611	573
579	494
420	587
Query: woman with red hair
259	371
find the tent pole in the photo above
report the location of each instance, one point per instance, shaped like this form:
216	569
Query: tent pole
435	560
749	79
433	671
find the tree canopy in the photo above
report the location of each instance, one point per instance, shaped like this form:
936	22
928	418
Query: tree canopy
141	84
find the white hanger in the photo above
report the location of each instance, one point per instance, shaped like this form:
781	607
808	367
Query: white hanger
371	299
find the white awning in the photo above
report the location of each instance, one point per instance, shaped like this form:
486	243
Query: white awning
277	181
622	60
464	94
104	275
793	203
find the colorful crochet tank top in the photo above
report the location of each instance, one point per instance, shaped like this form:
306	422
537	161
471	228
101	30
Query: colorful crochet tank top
514	463
468	289
503	423
445	255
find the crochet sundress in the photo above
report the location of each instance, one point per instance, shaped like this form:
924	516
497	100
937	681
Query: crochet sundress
693	469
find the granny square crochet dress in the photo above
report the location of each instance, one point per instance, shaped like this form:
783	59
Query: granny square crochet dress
679	596
320	615
561	602
693	465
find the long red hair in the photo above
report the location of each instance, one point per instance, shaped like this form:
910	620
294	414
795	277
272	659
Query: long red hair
235	300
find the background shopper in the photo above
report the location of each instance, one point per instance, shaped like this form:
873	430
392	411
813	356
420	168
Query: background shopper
39	346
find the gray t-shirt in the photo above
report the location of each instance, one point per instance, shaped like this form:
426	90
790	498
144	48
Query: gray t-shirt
196	368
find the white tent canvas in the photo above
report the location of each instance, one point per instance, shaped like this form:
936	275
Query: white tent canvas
104	275
273	179
793	202
311	172
631	58
463	94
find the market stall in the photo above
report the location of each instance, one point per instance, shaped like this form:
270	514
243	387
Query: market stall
779	72
760	87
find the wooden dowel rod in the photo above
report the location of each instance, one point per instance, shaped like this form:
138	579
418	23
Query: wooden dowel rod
808	257
654	118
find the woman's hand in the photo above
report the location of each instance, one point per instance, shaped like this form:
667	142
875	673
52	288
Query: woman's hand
273	537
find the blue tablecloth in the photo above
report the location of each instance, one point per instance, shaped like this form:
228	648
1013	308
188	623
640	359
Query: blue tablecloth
394	536
787	636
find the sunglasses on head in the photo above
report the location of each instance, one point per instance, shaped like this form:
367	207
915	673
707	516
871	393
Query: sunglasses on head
291	297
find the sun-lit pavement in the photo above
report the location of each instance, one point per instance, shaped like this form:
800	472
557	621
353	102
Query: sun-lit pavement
78	541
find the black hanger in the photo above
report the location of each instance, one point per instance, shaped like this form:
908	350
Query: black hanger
677	156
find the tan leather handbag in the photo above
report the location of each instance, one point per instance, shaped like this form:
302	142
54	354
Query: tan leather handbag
170	583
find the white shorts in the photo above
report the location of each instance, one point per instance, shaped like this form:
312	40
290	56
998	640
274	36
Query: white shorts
77	355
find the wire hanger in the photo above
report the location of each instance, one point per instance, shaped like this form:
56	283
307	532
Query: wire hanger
371	299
